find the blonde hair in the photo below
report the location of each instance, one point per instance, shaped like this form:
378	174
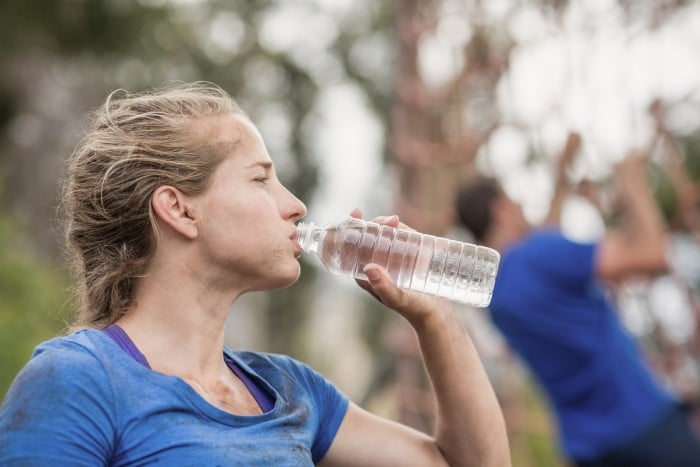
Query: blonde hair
134	144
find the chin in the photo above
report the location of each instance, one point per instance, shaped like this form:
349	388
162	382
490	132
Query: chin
286	280
289	282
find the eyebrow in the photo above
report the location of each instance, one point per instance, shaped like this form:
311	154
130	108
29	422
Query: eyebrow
264	164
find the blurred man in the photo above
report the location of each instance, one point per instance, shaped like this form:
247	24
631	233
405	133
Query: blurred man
550	304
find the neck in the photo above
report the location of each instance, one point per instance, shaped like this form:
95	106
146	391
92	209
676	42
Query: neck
179	327
500	239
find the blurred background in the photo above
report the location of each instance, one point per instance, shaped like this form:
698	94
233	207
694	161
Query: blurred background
383	105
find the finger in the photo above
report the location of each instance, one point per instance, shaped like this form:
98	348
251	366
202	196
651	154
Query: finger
574	141
364	285
382	287
392	221
356	213
403	226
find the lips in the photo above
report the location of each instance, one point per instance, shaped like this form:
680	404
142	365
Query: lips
295	239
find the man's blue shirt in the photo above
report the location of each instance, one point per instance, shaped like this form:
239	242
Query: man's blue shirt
550	307
82	400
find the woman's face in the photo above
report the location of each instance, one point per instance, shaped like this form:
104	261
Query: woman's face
246	217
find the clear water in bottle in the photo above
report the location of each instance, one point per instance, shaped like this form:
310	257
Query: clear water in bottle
455	270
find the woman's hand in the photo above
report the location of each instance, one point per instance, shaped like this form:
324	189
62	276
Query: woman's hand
413	306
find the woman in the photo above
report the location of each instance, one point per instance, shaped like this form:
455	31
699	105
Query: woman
173	212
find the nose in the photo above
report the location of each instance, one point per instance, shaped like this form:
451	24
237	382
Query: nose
296	209
302	209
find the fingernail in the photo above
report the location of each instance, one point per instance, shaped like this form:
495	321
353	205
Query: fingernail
373	274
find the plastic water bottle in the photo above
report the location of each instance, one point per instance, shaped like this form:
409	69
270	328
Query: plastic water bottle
458	271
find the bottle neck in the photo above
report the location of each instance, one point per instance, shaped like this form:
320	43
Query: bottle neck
308	236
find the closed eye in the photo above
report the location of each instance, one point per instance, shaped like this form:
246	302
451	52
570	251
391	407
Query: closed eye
262	179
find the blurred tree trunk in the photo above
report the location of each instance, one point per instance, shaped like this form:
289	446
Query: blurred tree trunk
436	131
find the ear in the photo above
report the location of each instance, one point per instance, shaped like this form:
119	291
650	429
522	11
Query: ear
170	206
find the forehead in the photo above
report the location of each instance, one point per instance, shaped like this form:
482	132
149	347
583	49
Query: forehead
233	132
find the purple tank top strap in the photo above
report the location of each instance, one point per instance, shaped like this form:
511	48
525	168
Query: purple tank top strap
262	397
124	341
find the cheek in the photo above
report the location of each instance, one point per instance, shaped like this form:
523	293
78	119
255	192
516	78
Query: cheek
233	216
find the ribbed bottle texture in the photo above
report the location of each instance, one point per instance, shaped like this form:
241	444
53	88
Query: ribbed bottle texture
455	270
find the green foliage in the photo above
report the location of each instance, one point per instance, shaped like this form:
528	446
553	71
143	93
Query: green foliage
664	189
32	301
533	443
665	192
75	26
691	148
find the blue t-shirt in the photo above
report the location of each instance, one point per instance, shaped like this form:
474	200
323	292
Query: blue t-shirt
82	400
552	310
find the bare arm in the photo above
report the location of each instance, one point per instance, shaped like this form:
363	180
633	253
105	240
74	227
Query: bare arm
638	245
561	185
470	429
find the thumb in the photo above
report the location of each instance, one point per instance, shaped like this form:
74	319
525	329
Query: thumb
382	286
